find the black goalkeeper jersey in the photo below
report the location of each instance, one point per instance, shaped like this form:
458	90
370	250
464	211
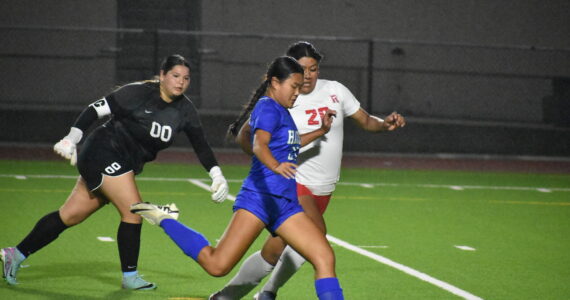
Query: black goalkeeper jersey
142	124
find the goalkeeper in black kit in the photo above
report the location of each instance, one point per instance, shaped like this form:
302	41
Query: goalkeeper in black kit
144	118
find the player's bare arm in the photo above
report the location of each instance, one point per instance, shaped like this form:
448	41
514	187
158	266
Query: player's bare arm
244	138
375	124
326	123
261	150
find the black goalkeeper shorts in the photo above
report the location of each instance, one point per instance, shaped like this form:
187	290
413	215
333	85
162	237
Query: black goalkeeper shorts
98	157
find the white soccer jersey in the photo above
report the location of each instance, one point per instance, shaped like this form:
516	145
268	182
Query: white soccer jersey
319	162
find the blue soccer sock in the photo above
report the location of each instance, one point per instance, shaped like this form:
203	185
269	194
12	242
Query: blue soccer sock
328	289
188	240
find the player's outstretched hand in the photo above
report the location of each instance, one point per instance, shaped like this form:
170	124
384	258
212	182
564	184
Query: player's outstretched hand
219	187
393	121
286	169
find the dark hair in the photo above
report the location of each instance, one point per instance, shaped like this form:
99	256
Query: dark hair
281	68
304	49
167	64
173	60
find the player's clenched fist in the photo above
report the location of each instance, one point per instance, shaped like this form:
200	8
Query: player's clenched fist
67	147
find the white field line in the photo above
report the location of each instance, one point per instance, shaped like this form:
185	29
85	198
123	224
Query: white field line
444	285
460	187
362	184
381	259
200	184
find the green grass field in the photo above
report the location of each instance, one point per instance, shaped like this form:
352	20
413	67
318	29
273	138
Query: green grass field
457	234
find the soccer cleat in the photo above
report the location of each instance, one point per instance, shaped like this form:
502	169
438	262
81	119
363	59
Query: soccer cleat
220	296
154	214
135	282
10	264
265	295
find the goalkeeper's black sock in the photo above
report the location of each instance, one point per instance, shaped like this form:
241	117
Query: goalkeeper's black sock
129	241
47	229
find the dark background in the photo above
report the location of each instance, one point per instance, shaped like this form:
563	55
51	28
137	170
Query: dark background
472	77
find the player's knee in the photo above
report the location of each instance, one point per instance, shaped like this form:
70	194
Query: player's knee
325	259
218	270
272	250
217	267
271	257
71	219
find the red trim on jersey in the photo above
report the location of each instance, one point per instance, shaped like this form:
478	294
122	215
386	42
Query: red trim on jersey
321	201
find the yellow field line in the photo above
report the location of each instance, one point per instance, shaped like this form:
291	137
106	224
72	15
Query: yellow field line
379	198
531	202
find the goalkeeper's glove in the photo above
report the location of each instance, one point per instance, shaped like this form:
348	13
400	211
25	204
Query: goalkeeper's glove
219	186
67	147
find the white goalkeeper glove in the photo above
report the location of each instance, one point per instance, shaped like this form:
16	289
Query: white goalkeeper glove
219	186
67	147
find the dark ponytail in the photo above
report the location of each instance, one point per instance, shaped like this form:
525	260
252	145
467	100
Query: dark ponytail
235	126
281	68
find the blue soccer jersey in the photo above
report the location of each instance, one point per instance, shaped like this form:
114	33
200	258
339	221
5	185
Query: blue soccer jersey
285	142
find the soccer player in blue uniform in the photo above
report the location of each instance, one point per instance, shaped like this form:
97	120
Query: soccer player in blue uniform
317	175
144	119
268	197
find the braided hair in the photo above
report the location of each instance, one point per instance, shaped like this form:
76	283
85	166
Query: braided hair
281	68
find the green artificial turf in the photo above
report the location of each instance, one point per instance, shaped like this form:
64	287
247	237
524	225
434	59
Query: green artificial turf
515	225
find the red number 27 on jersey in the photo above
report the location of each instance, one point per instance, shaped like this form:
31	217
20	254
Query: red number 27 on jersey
320	112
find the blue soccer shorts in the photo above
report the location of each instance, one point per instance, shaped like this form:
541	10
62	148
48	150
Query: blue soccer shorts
270	209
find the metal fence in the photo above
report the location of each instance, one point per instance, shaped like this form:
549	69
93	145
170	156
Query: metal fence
55	67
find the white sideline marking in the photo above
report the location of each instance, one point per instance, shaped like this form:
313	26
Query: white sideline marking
466	248
381	259
380	247
341	243
444	285
437	186
105	239
207	187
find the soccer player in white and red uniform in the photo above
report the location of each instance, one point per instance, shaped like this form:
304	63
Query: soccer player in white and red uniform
317	174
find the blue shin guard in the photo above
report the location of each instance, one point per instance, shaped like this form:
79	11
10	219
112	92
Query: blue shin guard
328	289
188	240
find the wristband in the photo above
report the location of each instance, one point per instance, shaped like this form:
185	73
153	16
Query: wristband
75	134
